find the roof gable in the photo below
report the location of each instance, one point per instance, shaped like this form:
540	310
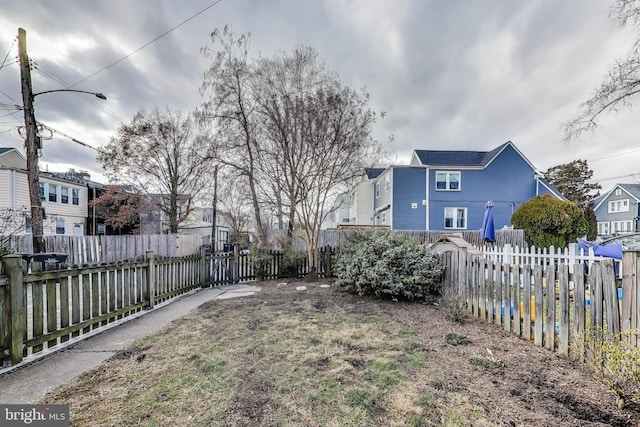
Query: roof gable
479	159
633	190
11	157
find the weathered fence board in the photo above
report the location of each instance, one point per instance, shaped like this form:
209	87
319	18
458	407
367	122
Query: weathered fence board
545	300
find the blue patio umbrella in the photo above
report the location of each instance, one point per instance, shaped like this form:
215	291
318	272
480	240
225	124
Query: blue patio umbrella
488	232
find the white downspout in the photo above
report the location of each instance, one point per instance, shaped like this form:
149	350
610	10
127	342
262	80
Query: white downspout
426	194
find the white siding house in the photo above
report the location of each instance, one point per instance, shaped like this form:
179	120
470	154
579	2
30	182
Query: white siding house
64	202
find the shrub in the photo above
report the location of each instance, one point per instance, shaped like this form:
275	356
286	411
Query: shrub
615	362
548	221
262	256
387	265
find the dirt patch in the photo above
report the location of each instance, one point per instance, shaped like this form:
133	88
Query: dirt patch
324	357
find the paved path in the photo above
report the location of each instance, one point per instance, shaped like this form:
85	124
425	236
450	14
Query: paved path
28	382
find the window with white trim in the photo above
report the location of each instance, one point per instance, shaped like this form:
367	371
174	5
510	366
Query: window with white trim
621	226
75	196
618	206
53	195
455	218
387	183
447	181
377	190
383	217
603	228
64	195
60	226
618	192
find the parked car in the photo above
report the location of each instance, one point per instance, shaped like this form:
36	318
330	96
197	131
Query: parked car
628	241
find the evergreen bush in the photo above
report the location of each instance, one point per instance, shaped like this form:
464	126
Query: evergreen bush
387	265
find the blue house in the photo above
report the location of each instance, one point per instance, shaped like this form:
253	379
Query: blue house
618	210
448	190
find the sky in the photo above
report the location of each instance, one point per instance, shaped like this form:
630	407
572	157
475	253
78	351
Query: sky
449	75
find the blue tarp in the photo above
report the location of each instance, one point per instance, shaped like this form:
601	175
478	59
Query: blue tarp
613	250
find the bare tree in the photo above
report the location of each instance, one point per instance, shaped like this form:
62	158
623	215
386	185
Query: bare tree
161	154
622	82
12	223
230	108
235	204
317	135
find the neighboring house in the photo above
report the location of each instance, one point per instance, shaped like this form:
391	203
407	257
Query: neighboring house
448	190
361	198
154	220
618	210
64	200
200	222
339	213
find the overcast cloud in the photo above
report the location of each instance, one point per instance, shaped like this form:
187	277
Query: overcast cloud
454	74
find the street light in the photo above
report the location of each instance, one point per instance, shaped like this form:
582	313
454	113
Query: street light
32	143
97	94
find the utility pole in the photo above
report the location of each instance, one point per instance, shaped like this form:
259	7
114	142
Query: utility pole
32	143
215	208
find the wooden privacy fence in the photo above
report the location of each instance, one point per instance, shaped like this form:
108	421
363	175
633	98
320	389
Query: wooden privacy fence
84	250
42	310
545	299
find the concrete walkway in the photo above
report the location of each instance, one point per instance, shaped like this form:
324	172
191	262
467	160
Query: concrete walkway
31	380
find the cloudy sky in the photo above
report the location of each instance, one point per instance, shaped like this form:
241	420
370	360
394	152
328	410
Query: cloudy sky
450	75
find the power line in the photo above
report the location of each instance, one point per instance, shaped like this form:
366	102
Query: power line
7	55
84	144
39	67
149	43
614	155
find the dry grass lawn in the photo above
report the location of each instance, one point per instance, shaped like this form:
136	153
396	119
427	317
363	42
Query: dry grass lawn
326	358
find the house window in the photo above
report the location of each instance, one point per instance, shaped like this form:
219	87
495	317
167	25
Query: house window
603	228
60	226
618	192
64	195
618	206
377	190
53	195
383	218
75	196
43	197
621	226
447	181
27	225
387	183
455	218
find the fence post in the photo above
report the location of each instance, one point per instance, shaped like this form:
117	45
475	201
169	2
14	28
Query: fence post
151	278
203	267
236	264
630	311
17	309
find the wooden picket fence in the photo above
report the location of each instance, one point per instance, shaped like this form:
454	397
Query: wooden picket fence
551	297
47	306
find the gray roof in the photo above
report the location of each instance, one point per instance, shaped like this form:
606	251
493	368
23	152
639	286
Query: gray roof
4	150
458	158
373	172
